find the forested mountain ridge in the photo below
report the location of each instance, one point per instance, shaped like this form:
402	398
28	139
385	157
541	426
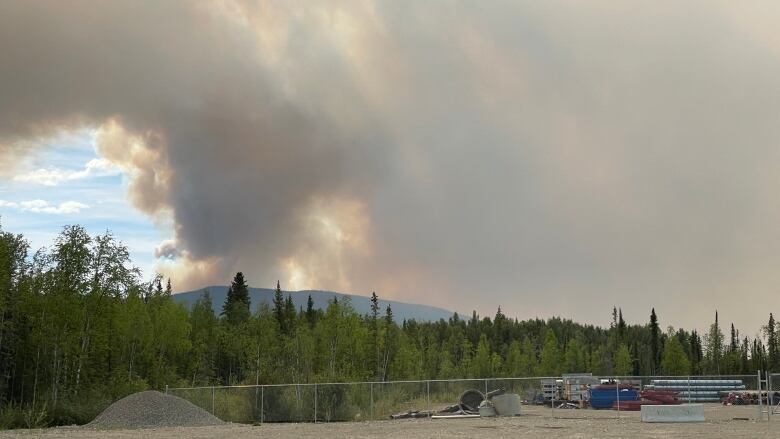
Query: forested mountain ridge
361	304
79	329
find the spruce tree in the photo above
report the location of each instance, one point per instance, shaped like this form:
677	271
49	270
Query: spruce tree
237	302
614	318
654	341
758	355
744	354
771	345
279	305
289	315
621	326
373	330
310	316
158	289
697	353
389	342
714	343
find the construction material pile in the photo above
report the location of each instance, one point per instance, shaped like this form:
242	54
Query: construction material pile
605	396
472	403
152	409
696	390
649	397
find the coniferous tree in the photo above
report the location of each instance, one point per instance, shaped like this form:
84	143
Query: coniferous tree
744	354
389	342
310	313
732	358
654	341
697	353
279	305
158	290
614	318
758	355
621	326
773	360
373	331
237	302
714	342
289	315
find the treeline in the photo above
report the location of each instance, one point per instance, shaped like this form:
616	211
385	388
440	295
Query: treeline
79	328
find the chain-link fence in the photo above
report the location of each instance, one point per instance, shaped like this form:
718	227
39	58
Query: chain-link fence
556	397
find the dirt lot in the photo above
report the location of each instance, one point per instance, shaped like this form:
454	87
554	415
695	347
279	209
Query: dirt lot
536	422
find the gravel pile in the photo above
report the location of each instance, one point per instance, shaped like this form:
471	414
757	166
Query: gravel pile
153	409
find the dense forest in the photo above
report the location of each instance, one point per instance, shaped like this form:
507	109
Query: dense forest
80	328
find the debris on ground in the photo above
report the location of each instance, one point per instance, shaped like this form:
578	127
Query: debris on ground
152	409
412	414
471	403
649	397
486	409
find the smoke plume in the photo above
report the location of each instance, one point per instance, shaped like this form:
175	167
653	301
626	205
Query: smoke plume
551	158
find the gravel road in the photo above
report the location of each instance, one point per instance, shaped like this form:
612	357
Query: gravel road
535	423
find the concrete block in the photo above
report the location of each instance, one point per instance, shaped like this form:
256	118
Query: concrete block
507	404
673	413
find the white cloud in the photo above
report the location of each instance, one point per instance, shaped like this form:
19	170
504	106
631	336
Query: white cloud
43	206
54	176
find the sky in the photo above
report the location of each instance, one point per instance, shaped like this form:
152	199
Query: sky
551	158
67	182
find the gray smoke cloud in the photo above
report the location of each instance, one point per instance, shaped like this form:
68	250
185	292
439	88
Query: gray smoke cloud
551	158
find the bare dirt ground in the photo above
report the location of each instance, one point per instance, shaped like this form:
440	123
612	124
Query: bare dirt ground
536	422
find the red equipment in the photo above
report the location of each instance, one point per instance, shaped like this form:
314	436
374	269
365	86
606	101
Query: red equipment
649	397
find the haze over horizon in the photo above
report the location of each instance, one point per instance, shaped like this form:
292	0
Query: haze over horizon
551	158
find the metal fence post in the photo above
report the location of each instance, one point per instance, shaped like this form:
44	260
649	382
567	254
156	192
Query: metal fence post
758	386
689	389
428	397
315	403
262	404
166	389
212	401
617	396
371	402
770	394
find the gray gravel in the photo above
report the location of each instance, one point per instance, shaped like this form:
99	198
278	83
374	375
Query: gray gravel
153	409
536	422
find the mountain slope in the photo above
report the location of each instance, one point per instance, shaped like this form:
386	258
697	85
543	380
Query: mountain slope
361	304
